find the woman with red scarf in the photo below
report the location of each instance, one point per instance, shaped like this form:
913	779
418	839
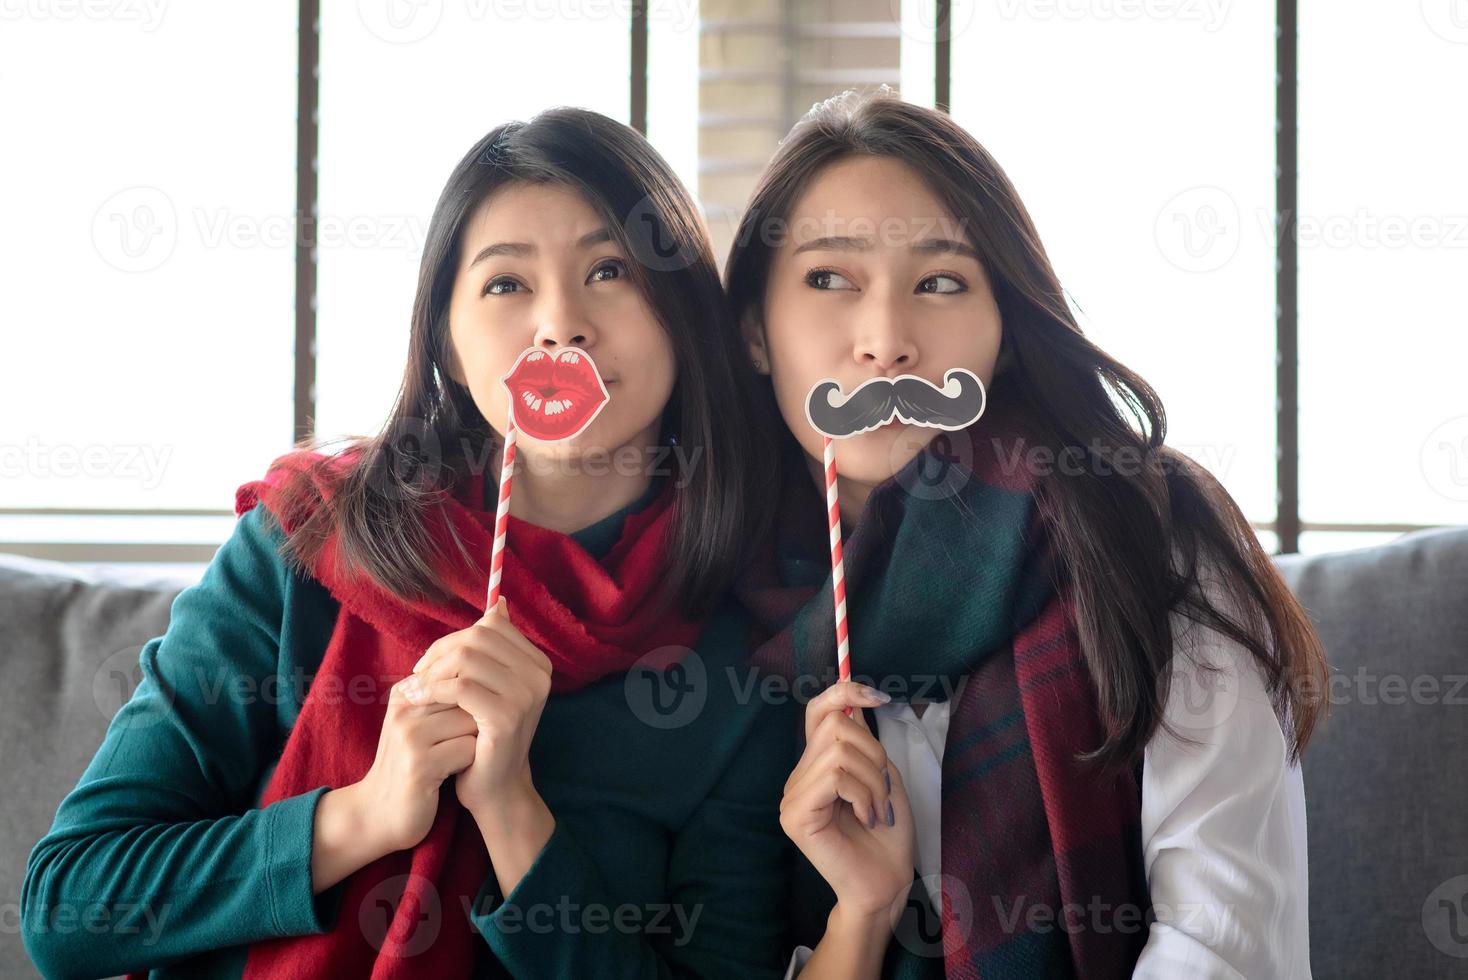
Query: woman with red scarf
339	763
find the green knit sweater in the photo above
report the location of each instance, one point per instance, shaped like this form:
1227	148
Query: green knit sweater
667	858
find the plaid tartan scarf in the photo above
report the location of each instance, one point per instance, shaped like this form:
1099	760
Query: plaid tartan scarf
951	588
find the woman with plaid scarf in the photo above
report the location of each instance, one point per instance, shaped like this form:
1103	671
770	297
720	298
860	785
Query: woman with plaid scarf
1087	688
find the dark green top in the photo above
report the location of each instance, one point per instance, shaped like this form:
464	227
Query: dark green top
667	858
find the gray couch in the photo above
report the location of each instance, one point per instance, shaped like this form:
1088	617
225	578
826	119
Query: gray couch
1386	777
69	645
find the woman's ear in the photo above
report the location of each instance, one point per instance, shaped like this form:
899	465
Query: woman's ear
754	340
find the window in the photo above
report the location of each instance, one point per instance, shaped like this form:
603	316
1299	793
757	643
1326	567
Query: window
402	99
1383	246
148	256
1144	149
151	319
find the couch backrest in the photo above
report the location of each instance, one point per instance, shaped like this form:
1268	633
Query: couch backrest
1386	776
69	645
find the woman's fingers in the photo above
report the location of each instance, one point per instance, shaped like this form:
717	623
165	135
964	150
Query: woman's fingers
851	760
470	695
451	756
452	722
448	659
838	728
499	623
837	744
825	788
494	631
837	698
898	796
505	674
484	671
490	639
399	703
826	772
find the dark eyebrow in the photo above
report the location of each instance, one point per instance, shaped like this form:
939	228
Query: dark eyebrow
843	243
836	243
502	248
522	249
930	246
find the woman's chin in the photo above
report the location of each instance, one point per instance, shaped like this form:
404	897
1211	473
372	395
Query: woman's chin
603	447
873	457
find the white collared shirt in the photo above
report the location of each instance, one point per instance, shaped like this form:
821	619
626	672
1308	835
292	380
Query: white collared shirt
1223	823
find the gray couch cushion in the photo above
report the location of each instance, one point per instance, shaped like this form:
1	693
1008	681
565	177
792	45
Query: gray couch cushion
69	644
1386	776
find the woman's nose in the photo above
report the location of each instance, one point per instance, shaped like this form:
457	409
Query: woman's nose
884	342
563	325
561	338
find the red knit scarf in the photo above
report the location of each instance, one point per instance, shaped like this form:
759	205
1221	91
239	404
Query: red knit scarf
405	914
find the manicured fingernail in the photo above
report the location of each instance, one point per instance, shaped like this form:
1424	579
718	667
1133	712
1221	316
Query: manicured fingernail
891	815
881	697
419	663
872	820
413	689
887	776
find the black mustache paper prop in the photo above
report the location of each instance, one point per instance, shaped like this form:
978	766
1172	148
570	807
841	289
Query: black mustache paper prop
913	399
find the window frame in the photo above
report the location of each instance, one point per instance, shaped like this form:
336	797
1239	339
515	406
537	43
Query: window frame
1287	525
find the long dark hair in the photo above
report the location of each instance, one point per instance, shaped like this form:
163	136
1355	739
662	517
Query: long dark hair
1114	533
435	433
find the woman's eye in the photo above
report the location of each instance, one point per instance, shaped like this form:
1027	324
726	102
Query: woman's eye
500	287
941	284
609	270
826	279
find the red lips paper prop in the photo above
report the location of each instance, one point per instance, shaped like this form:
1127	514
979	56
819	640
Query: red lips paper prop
555	396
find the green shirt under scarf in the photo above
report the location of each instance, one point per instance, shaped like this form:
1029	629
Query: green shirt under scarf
667	852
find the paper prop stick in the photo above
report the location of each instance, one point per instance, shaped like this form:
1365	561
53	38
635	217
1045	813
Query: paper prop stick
838	566
872	404
553	397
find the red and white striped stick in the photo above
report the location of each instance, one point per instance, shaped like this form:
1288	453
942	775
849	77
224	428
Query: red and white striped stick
838	567
502	513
